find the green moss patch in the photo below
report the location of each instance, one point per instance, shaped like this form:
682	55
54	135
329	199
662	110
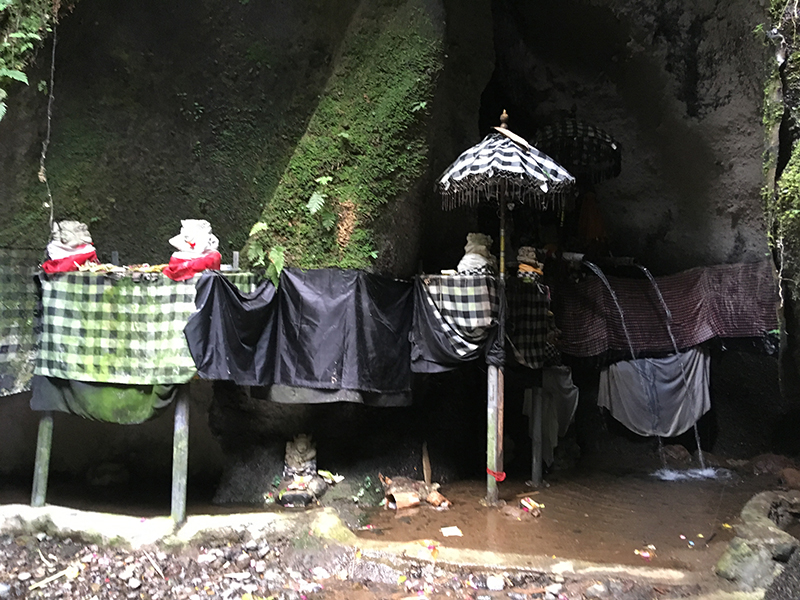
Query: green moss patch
364	146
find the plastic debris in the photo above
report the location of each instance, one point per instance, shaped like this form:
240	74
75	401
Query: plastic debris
529	503
429	550
648	553
496	583
329	477
451	531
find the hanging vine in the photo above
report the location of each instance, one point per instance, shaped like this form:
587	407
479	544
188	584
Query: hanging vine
24	24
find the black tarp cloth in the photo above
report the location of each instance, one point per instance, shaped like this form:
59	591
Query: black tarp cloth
431	348
231	336
327	329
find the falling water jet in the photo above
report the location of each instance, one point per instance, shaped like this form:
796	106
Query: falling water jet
598	271
668	322
661	452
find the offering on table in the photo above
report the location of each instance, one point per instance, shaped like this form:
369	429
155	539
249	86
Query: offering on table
70	247
196	250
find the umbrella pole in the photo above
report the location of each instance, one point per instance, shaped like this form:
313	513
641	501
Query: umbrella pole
495	390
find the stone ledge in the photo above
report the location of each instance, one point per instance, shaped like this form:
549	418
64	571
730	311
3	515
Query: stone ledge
761	548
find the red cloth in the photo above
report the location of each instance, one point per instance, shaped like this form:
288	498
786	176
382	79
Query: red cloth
68	263
180	269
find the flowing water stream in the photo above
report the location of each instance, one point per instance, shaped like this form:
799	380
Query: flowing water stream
664	473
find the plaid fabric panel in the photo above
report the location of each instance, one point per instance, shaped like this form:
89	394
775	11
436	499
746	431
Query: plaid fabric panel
244	280
736	300
466	307
18	324
526	327
97	328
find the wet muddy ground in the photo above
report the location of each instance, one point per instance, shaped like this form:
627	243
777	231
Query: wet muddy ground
589	515
598	515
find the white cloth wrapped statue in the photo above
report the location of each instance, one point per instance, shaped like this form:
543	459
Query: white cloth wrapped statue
477	253
70	246
196	250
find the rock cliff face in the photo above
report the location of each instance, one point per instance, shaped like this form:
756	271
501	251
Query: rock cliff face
233	112
680	85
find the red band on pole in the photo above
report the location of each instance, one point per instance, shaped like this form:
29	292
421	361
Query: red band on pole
498	477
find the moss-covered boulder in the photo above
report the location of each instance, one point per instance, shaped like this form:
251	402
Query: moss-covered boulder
366	145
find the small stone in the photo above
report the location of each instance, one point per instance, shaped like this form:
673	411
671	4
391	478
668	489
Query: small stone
251	544
242	561
204	559
87	558
598	590
24	576
320	573
5	590
41	536
495	583
260	566
127	573
134	583
553	588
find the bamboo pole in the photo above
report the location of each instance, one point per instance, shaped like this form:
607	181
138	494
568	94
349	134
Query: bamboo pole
492	413
41	469
495	387
180	455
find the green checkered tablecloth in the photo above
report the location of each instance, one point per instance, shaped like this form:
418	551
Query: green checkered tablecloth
115	330
18	300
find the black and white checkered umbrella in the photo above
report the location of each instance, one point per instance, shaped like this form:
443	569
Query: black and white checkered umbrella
505	164
588	152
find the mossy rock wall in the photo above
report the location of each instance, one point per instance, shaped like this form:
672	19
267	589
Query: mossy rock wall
356	172
165	111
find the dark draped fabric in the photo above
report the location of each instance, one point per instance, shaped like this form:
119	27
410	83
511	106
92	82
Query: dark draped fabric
327	329
231	336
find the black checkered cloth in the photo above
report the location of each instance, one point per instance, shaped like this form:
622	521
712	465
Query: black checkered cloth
18	324
466	307
115	330
587	152
497	165
527	323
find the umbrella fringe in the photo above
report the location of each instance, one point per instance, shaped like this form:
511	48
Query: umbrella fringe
558	197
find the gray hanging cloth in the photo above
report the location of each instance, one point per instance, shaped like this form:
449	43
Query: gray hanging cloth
658	396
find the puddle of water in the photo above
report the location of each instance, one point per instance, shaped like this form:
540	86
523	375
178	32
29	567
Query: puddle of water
594	516
694	474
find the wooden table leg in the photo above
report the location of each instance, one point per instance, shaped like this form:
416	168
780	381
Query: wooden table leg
536	438
180	455
41	468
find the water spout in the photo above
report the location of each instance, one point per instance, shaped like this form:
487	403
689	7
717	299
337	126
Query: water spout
653	404
668	323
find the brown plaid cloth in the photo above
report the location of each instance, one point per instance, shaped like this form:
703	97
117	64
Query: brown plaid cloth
738	300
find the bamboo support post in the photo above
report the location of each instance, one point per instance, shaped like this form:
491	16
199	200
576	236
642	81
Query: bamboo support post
180	455
493	460
535	396
41	468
